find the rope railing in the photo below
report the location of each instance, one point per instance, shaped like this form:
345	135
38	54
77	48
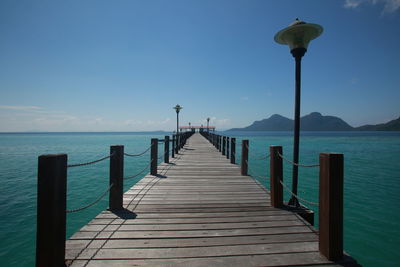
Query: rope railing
138	155
254	174
259	157
258	176
90	162
297	164
299	198
139	173
92	203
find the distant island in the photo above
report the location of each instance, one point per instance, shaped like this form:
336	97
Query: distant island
315	121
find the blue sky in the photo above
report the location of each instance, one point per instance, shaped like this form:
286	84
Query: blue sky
122	65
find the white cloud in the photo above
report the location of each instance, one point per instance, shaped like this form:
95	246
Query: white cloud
214	121
133	122
33	118
389	6
26	108
352	3
223	122
158	123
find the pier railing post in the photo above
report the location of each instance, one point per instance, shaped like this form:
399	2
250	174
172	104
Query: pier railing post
276	176
331	205
166	149
223	145
182	140
227	147
116	177
220	143
176	144
153	156
51	210
233	150
173	147
245	156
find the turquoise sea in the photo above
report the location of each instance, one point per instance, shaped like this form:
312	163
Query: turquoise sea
372	183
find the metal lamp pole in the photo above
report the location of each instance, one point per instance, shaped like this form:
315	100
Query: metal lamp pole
208	124
297	53
298	35
177	109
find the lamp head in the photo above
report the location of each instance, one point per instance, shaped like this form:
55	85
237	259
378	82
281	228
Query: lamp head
177	108
298	34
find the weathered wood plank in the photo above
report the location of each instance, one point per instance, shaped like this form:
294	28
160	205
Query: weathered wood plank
208	241
208	214
281	259
177	220
215	251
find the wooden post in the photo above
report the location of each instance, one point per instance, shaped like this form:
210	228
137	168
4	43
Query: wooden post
331	205
245	156
227	147
276	176
116	177
153	156
51	210
223	145
166	149
182	141
233	150
173	147
220	143
177	144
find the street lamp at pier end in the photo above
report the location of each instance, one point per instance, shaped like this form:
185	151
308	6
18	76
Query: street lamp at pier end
177	109
208	124
298	35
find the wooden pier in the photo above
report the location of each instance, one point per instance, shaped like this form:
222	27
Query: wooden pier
197	211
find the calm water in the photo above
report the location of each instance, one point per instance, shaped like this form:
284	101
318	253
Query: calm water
372	183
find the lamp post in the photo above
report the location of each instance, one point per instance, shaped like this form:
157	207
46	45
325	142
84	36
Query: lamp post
190	128
177	109
208	124
298	35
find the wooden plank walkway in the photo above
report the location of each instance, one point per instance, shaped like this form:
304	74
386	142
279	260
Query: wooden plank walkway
199	211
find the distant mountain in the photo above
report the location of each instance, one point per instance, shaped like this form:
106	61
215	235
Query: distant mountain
316	122
274	123
312	122
393	125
